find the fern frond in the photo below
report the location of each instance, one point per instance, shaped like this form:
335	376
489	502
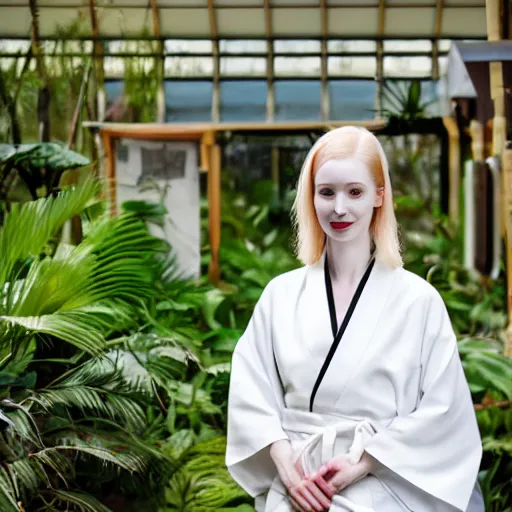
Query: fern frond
203	484
97	401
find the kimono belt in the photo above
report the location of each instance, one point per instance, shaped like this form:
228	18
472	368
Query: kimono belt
317	438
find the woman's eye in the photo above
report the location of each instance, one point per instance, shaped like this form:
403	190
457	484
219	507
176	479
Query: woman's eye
355	192
326	192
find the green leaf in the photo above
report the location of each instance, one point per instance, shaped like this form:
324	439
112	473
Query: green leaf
212	301
84	502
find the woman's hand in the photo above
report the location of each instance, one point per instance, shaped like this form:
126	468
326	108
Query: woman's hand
305	493
339	473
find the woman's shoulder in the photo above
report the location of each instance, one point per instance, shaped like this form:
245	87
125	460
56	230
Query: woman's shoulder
415	287
286	280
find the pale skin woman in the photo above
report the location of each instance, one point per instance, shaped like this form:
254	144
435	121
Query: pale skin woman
345	198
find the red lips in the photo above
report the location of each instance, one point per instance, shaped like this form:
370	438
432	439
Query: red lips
341	225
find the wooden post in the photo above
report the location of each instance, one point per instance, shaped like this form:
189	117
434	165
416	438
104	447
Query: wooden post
274	167
477	140
454	164
110	172
507	203
159	62
214	223
499	136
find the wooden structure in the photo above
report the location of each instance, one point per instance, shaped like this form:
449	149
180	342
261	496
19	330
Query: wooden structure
205	134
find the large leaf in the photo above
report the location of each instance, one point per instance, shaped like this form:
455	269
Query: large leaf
78	500
28	227
44	155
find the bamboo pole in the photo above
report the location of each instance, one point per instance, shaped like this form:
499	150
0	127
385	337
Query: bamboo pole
214	211
79	105
454	168
159	61
477	140
499	136
507	211
110	172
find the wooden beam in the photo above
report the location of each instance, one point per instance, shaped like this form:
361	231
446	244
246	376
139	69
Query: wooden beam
454	164
324	97
159	62
271	98
99	73
196	130
216	62
214	211
44	94
507	207
499	136
381	28
437	34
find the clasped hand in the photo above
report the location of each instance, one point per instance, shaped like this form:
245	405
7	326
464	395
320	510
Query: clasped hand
314	492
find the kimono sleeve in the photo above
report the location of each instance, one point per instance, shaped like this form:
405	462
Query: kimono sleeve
437	447
254	403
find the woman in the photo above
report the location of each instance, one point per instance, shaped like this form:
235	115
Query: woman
381	418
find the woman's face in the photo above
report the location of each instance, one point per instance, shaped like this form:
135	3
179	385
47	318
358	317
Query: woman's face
345	197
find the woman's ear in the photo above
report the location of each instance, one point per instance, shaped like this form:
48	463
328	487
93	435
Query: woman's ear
379	198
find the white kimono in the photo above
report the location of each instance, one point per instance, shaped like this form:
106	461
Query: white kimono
394	388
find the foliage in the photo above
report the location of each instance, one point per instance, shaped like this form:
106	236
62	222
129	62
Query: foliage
65	406
40	165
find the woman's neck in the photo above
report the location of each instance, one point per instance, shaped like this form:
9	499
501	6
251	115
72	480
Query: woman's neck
348	260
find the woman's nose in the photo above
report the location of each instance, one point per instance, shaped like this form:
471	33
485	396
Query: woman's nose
339	205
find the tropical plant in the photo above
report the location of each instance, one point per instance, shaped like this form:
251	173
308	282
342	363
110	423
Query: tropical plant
66	407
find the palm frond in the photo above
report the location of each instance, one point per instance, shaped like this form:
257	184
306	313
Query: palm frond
28	226
7	493
106	395
78	500
75	327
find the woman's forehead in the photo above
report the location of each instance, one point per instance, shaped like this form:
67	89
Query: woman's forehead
346	170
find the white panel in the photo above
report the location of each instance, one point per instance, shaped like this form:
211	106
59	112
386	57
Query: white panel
15	46
184	22
419	22
51	19
444	45
467	22
345	46
188	46
302	46
352	66
277	3
418	46
407	66
240	22
411	3
286	22
123	22
243	66
375	3
178	176
297	66
122	3
448	3
238	3
188	67
352	22
185	3
243	46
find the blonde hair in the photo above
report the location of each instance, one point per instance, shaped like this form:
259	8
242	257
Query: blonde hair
338	144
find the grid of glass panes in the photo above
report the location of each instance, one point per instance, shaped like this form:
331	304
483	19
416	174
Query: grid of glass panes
297	75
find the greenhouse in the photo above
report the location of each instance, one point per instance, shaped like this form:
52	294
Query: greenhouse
163	223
